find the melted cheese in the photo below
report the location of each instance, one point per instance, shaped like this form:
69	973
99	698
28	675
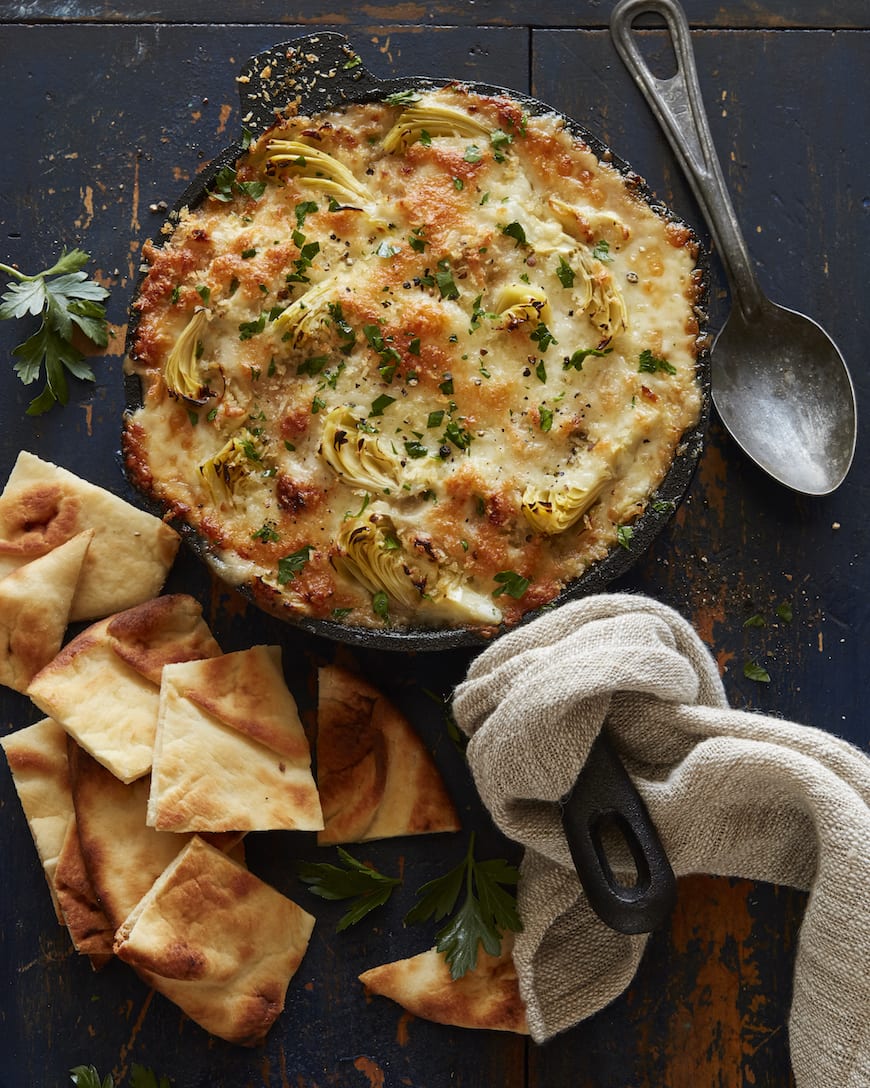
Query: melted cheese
490	348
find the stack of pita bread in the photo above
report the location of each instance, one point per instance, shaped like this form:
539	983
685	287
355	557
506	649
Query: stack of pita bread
159	753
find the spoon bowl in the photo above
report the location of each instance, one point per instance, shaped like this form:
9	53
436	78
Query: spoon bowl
779	383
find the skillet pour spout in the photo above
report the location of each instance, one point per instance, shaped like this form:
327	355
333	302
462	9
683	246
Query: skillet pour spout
321	72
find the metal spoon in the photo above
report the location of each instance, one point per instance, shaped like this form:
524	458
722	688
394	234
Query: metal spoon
779	383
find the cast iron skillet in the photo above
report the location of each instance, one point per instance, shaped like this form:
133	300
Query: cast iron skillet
323	72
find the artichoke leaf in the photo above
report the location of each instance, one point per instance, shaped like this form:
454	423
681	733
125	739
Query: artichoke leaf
225	471
181	372
318	168
587	224
373	556
363	459
305	314
434	120
552	510
521	302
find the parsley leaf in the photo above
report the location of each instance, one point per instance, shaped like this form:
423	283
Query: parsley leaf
140	1077
291	565
487	910
515	585
516	231
356	880
601	250
624	535
66	299
402	98
565	273
86	1076
648	363
753	671
576	360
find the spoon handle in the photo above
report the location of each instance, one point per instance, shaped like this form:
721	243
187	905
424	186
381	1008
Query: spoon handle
679	109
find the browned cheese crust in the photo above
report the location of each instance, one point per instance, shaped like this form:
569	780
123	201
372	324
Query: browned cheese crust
414	364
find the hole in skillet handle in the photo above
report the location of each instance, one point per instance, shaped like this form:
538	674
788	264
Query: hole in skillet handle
602	801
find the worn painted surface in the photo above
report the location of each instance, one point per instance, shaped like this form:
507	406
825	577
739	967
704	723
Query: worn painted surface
108	112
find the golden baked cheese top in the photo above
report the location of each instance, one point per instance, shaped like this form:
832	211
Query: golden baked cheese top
414	363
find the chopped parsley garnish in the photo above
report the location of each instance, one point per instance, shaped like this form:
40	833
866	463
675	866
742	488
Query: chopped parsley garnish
291	565
565	273
416	240
624	535
267	533
459	436
444	280
515	585
226	185
601	250
317	405
247	329
345	332
307	207
576	360
541	371
387	249
425	138
446	386
380	403
472	153
414	346
515	230
204	293
648	363
500	141
313	365
381	606
416	450
546	418
402	98
246	254
435	419
755	620
785	612
542	336
458	184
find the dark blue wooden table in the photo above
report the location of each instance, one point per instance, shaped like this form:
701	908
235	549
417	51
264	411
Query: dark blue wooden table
107	112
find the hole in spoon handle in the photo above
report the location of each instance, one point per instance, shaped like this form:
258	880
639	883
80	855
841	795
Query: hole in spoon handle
604	802
679	109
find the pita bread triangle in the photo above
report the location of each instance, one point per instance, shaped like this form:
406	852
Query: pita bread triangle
103	687
123	856
37	758
487	997
43	506
217	941
230	751
375	775
91	932
35	603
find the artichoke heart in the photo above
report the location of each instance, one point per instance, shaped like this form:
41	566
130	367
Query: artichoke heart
181	372
606	308
435	121
588	224
520	302
304	314
224	472
552	510
372	554
360	458
318	168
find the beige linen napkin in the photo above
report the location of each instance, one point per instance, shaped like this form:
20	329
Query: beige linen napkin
731	792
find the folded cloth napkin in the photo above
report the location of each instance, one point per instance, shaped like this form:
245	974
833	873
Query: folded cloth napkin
731	792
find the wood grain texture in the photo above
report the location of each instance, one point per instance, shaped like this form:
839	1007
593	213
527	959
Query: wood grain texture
112	116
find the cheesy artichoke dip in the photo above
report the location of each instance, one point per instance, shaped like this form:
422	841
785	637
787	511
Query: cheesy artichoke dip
415	363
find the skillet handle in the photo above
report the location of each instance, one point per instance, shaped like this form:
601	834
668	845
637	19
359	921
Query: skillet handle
604	798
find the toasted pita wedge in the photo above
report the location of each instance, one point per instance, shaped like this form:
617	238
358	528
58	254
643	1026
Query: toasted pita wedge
375	776
230	752
35	603
217	941
122	856
487	997
91	932
38	761
103	687
43	506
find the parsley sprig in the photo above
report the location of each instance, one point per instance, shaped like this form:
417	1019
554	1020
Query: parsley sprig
66	299
487	910
353	880
86	1076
